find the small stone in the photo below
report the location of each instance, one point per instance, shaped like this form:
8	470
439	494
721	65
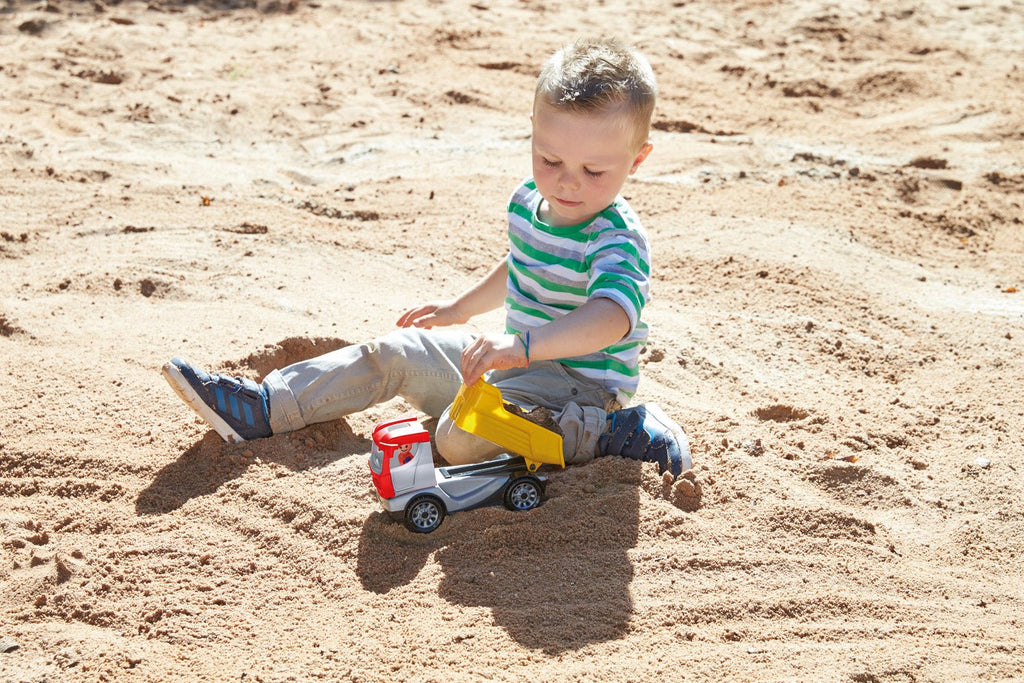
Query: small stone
754	447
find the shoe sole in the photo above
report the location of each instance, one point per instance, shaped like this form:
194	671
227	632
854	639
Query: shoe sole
183	389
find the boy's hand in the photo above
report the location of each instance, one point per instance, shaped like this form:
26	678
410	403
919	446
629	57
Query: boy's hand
492	352
432	314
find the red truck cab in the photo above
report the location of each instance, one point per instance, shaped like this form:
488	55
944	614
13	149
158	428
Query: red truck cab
411	489
394	465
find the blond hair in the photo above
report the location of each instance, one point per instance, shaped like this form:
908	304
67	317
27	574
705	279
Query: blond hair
595	74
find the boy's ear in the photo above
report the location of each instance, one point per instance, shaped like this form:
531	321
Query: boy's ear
641	155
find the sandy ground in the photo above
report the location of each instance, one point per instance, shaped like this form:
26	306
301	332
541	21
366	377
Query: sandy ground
835	205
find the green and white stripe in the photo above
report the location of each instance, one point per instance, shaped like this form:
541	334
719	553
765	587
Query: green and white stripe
552	271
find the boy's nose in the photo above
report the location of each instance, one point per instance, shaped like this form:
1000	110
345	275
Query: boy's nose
568	181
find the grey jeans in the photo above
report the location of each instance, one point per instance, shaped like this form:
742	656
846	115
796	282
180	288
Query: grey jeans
422	366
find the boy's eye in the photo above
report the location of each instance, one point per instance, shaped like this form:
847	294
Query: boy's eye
550	163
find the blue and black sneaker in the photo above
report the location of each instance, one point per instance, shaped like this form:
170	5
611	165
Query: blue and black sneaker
236	407
646	433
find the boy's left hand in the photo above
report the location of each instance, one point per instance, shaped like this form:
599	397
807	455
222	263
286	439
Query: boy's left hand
492	352
433	314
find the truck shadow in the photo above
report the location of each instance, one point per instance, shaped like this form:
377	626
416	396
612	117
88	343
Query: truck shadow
556	578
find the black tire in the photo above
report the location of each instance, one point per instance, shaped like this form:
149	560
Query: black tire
523	493
424	514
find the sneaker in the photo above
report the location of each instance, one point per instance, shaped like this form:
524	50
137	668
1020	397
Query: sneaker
646	433
236	407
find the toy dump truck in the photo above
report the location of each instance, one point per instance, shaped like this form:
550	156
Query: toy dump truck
415	492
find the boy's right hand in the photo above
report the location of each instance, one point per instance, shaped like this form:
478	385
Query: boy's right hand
492	352
433	314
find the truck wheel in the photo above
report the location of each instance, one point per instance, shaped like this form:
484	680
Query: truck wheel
523	494
424	514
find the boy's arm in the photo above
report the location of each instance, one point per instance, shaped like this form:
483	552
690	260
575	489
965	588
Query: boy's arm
485	295
593	326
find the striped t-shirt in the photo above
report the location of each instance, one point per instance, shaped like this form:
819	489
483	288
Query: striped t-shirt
552	271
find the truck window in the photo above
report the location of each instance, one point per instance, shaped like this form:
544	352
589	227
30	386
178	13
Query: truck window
403	454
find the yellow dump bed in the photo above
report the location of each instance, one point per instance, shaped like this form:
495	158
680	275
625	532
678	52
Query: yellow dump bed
479	409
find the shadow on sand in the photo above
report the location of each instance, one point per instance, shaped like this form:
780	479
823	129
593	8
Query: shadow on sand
556	578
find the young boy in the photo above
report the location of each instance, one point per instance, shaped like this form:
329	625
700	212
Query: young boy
573	284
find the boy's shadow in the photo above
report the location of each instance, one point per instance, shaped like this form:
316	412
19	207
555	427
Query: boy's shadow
556	578
210	462
200	471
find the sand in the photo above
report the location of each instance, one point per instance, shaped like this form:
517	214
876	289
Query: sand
834	200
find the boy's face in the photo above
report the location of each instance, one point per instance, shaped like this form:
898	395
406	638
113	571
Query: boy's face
581	160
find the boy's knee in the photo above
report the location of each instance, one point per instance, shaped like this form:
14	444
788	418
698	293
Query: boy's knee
459	447
389	349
